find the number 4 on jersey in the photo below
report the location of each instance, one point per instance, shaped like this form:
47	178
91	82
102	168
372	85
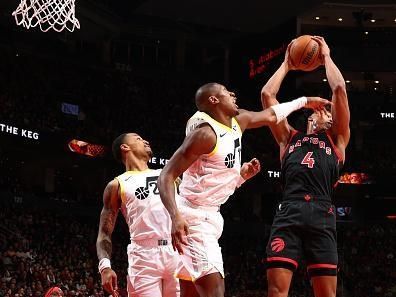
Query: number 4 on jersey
308	160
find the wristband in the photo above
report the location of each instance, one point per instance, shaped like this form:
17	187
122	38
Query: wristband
283	110
103	264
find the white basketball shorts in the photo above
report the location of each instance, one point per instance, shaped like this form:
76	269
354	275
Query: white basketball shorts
152	268
202	255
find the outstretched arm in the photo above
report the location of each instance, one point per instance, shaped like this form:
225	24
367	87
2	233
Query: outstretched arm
201	141
108	217
340	110
277	112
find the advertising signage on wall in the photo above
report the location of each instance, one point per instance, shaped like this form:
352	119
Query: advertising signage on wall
19	131
259	64
255	57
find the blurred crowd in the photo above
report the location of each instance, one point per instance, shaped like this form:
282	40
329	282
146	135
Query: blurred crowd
41	248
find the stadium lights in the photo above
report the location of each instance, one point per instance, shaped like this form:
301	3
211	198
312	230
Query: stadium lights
347	81
366	32
372	20
376	81
325	79
340	19
317	18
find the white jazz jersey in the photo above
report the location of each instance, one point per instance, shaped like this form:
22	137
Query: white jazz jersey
211	179
142	207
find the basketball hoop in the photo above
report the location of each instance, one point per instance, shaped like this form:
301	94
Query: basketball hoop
48	14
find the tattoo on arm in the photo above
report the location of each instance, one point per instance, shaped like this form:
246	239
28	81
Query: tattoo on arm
108	218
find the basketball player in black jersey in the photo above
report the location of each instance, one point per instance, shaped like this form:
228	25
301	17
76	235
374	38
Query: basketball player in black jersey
305	223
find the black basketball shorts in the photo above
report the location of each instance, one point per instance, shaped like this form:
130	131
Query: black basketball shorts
304	226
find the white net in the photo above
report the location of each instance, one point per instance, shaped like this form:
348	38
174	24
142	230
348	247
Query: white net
47	14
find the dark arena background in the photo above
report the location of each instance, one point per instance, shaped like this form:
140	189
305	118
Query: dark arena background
135	66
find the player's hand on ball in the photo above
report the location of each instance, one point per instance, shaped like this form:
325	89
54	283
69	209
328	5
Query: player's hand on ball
324	48
179	233
250	169
109	281
288	62
317	103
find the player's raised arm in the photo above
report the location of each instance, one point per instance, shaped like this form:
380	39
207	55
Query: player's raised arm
201	141
281	132
108	217
340	130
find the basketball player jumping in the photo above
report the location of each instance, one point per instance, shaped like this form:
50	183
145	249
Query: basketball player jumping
210	158
305	223
152	260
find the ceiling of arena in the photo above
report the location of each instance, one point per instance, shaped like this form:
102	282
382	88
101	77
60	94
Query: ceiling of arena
244	16
236	15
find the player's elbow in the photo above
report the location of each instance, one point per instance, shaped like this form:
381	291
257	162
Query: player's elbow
339	89
265	96
163	179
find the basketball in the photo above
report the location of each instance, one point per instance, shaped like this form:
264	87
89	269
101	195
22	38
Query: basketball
304	53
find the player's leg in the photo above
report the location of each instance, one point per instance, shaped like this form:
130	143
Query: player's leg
279	280
173	270
284	248
187	289
145	286
324	286
320	248
202	256
144	275
170	287
210	285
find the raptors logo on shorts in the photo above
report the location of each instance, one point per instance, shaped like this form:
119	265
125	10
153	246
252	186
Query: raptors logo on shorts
277	245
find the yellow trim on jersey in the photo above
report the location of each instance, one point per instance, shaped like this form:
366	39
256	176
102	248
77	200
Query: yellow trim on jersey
215	149
122	189
208	117
184	277
132	172
237	124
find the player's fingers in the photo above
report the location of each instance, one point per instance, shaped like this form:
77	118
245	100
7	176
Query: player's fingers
254	161
174	243
110	287
318	40
258	168
114	282
325	101
181	238
179	248
186	229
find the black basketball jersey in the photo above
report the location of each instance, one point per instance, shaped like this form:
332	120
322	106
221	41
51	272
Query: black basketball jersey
310	165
